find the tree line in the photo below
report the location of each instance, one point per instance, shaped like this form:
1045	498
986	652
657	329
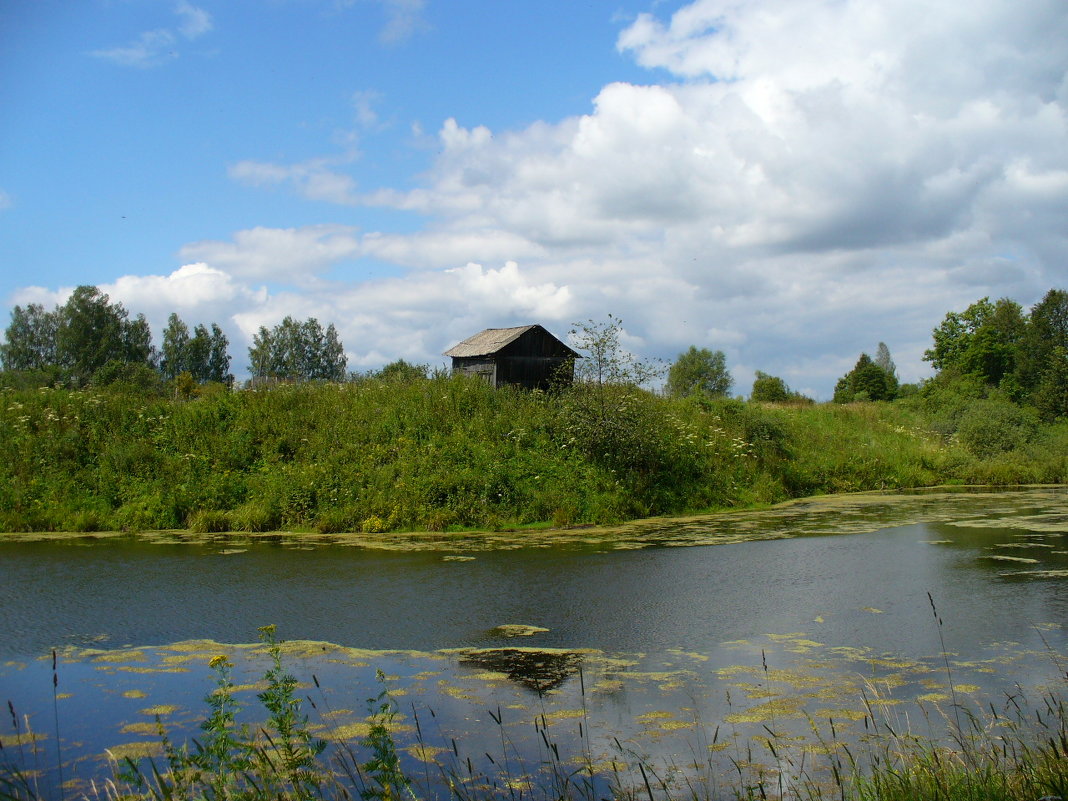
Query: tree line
89	340
994	347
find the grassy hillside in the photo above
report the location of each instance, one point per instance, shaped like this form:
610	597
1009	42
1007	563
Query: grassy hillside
445	453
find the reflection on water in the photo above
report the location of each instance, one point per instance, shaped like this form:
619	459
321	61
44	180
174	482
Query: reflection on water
540	670
654	648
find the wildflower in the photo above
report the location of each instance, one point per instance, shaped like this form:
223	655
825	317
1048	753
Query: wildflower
219	661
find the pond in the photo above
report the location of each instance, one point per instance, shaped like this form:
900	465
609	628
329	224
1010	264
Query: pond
910	601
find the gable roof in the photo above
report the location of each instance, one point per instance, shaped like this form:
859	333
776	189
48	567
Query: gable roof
494	340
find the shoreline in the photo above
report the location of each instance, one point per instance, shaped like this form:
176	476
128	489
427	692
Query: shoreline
791	518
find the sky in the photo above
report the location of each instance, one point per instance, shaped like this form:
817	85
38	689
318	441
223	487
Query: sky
788	181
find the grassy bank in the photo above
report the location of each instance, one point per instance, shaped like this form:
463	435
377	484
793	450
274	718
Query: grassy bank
445	453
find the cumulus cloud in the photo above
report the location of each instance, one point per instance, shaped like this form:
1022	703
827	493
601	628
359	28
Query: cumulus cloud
289	255
819	176
158	46
192	286
814	177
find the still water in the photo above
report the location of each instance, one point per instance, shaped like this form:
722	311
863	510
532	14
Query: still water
673	640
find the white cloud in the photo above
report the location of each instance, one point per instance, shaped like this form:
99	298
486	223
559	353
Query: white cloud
823	175
816	177
289	255
363	105
509	293
6	201
314	180
404	19
192	286
195	22
150	49
433	249
160	45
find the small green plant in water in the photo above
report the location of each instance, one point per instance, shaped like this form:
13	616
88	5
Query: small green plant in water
278	760
383	769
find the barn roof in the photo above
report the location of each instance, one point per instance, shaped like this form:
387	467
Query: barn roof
493	340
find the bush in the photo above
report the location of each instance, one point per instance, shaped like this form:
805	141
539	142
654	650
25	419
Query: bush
146	512
253	516
991	427
209	521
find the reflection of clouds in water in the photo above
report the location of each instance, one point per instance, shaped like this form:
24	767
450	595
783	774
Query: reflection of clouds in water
657	703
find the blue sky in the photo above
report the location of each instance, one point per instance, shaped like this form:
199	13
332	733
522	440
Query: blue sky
790	181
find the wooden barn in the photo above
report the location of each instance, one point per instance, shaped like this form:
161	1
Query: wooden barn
526	356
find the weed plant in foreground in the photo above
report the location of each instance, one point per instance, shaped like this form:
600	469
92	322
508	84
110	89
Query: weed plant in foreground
1014	749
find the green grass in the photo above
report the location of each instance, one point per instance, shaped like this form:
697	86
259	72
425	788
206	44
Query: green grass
453	455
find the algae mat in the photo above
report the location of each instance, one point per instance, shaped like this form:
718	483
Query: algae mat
455	708
853	513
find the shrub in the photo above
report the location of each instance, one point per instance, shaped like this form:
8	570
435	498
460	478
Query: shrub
990	427
209	521
254	516
146	512
374	525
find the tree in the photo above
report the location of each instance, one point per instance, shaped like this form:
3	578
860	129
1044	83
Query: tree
982	341
884	360
699	371
218	357
1051	394
203	355
137	342
769	389
30	339
331	359
197	353
866	381
953	336
605	360
173	352
91	331
400	370
298	351
1045	331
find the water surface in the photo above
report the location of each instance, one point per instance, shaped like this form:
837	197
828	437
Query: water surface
663	633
